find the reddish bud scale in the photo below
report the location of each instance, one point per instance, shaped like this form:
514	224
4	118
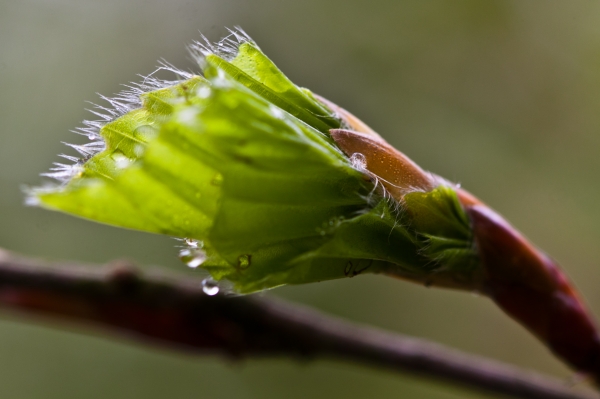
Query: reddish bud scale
396	172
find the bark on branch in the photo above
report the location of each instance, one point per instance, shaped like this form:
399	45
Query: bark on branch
164	309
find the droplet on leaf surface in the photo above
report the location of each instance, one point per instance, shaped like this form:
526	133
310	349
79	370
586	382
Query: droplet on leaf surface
192	257
210	287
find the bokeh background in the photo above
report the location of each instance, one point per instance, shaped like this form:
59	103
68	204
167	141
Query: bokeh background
502	96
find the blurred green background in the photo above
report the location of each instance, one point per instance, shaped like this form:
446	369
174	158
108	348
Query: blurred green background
502	96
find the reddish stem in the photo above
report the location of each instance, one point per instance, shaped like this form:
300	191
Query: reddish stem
530	287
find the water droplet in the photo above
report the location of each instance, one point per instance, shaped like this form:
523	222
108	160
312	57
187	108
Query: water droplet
32	200
145	133
203	92
91	136
187	115
244	261
192	257
121	161
217	180
190	242
210	287
276	111
138	150
358	161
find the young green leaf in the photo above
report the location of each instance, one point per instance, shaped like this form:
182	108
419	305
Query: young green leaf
241	163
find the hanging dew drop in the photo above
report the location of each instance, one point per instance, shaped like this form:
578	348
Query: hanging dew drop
192	257
197	260
210	287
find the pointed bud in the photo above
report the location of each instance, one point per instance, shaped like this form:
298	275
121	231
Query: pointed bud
394	170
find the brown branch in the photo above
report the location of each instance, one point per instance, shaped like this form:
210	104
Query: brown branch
169	310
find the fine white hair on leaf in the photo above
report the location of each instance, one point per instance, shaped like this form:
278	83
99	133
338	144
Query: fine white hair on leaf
378	192
63	172
359	162
88	150
126	101
150	82
118	105
69	157
226	48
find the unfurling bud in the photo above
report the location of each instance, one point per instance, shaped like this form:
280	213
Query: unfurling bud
272	180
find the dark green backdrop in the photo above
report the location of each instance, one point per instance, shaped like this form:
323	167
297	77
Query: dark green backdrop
502	96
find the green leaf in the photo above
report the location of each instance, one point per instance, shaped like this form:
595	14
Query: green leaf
256	71
242	162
